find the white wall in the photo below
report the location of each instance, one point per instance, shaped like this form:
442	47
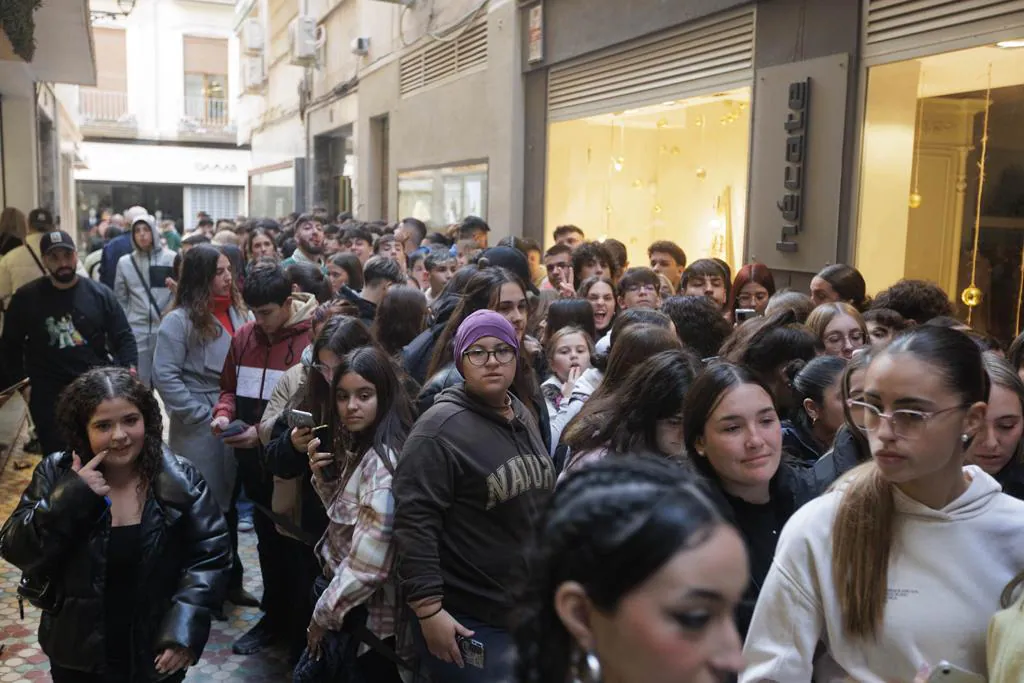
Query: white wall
154	40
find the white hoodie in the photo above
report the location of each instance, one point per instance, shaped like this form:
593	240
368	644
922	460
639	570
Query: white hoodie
946	572
585	386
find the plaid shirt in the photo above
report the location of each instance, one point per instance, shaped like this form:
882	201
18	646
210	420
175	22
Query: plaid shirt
357	552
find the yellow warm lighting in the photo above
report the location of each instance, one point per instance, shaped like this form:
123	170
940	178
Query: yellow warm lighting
1010	44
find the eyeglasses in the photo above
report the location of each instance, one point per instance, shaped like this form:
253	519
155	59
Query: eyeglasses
648	289
905	424
856	337
558	266
479	357
748	299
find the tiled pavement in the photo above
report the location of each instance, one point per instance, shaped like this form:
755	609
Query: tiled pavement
22	659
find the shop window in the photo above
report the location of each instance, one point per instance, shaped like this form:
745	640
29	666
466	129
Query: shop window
442	196
272	192
675	171
920	172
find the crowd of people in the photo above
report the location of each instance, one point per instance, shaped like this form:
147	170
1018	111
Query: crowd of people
476	463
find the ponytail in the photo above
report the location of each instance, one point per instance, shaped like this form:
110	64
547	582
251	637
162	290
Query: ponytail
862	538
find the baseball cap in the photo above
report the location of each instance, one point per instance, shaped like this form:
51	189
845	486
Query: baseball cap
513	260
58	239
40	218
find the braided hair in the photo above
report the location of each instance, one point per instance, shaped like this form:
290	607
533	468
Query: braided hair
609	526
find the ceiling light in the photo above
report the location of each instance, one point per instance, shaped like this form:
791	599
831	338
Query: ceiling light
1010	44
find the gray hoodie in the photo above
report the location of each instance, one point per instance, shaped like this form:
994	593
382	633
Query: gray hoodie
154	267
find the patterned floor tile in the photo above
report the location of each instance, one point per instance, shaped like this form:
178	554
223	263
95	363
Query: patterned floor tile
22	659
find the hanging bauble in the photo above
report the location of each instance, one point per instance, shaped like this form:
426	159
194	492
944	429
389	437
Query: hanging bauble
971	296
657	208
702	173
915	200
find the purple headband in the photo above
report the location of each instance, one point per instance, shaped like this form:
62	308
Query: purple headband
476	326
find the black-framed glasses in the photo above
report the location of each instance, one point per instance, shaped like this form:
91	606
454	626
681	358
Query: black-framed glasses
558	266
479	357
906	424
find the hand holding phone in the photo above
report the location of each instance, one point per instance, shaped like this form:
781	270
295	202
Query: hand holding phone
300	418
233	428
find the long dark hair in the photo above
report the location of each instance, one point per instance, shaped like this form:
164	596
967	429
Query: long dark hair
625	421
482	292
702	399
340	335
78	403
609	526
198	269
394	417
401	316
574	312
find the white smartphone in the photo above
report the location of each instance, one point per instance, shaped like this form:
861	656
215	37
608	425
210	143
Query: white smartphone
944	672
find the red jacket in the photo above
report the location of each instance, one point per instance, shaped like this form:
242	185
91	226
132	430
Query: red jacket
255	362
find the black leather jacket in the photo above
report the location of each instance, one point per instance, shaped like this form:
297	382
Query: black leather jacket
60	530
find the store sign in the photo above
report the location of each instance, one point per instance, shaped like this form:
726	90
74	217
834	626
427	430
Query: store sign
205	167
535	52
791	204
796	166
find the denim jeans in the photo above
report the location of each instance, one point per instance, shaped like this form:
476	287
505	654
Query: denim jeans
498	658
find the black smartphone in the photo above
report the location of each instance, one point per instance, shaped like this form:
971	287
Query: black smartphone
473	651
330	472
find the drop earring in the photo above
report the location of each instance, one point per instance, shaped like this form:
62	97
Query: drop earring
964	438
588	668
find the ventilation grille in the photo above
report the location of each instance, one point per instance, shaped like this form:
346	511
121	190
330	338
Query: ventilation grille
438	62
695	58
892	20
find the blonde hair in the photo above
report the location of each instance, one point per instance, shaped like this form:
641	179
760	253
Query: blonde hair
552	343
822	316
13	222
862	537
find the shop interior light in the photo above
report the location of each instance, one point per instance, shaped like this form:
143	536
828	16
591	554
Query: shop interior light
1011	44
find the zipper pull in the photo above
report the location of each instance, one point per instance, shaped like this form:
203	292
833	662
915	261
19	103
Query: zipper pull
21	607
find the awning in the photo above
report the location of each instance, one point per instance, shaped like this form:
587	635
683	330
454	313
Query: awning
64	50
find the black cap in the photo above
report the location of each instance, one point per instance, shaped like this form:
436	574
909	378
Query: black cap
512	260
58	239
40	219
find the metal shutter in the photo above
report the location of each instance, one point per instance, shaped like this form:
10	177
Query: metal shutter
899	25
219	202
440	61
702	57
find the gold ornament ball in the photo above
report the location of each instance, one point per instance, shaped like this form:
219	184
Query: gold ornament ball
971	296
915	200
702	173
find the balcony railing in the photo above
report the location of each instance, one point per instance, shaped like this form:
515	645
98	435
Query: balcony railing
203	115
105	108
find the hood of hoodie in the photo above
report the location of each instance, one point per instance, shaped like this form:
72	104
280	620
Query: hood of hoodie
981	492
150	222
459	396
303	305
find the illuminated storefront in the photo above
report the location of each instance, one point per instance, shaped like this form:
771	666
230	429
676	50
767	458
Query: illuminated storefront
926	119
650	141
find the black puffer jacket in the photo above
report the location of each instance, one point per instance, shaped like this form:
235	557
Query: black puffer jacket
60	531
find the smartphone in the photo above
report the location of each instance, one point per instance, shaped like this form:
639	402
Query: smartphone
944	672
744	314
473	653
234	429
300	418
330	472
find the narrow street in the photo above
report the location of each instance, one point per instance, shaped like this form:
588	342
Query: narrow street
22	660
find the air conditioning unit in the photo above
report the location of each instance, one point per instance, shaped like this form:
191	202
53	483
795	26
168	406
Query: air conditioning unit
303	39
252	36
252	74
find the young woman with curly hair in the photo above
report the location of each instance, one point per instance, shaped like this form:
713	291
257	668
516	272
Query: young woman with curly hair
128	536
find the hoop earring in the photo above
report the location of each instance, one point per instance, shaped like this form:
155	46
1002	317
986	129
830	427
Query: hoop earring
587	668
